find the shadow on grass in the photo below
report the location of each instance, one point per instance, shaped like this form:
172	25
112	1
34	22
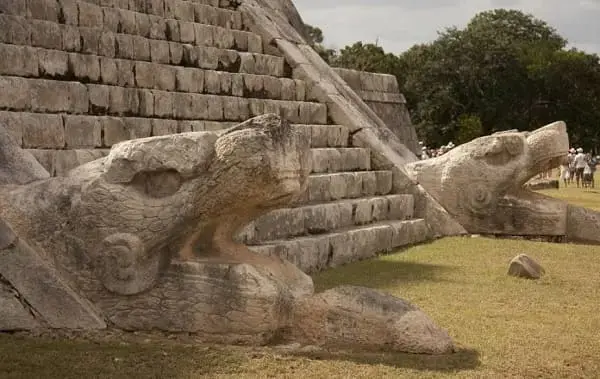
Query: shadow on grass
29	357
380	273
74	359
463	359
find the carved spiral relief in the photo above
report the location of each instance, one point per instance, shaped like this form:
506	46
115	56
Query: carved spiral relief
478	199
123	266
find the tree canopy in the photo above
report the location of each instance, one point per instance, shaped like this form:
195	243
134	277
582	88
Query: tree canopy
504	70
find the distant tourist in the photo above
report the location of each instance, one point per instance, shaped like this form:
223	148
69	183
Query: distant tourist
591	164
580	164
424	154
565	175
571	159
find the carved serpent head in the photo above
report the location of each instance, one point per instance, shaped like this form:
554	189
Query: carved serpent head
130	211
471	179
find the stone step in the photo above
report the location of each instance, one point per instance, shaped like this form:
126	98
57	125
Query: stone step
128	15
209	12
345	185
40	96
335	159
319	252
324	218
329	135
32	62
43	135
214	56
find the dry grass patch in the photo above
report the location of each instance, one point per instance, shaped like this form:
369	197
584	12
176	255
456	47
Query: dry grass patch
584	197
546	328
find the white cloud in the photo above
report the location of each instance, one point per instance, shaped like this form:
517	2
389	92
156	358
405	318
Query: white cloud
399	24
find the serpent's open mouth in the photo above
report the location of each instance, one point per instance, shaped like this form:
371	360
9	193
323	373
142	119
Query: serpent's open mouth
547	147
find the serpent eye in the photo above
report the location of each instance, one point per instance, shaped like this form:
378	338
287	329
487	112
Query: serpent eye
157	184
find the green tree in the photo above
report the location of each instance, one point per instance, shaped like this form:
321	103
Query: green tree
469	128
505	69
367	57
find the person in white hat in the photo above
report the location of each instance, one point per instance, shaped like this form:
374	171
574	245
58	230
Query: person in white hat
424	154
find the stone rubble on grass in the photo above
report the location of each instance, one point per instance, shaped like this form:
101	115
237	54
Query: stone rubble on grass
523	266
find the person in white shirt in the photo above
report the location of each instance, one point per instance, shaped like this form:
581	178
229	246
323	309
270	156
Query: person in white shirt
424	154
580	162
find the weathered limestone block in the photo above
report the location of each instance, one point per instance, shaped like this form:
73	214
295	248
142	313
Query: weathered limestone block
176	53
117	129
85	67
15	30
71	38
52	63
17	167
99	98
344	185
46	34
70	11
90	41
329	136
41	130
143	25
125	101
158	29
74	96
127	21
82	132
190	80
125	73
90	15
523	266
18	60
164	127
335	160
159	51
13	7
155	7
187	32
15	94
141	48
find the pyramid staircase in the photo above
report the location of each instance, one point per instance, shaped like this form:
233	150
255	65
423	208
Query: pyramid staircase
78	76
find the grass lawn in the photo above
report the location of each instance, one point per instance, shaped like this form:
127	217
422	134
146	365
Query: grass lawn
585	197
504	327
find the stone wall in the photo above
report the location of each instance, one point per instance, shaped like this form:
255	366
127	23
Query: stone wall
77	77
382	94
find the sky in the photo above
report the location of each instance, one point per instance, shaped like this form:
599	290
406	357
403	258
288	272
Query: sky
399	24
